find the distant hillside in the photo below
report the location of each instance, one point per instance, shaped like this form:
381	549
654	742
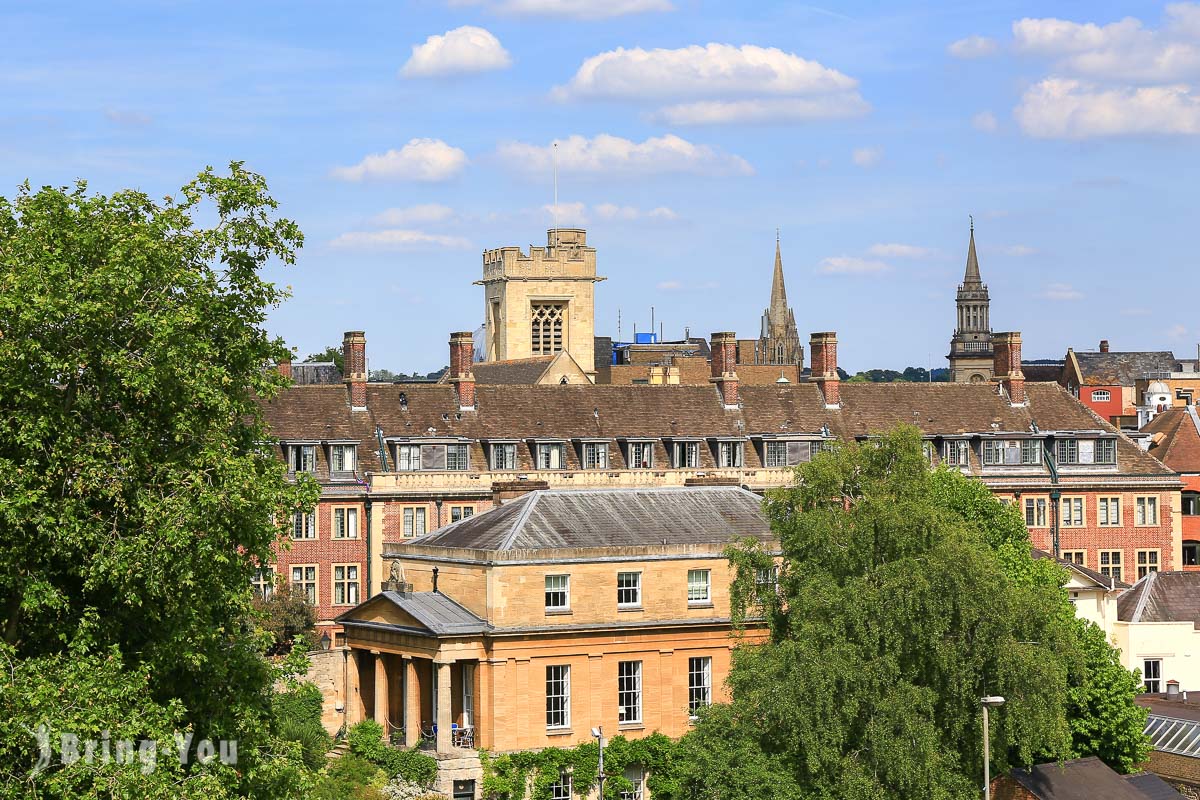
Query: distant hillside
909	375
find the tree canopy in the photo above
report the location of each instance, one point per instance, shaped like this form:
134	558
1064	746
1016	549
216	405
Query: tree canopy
904	595
136	497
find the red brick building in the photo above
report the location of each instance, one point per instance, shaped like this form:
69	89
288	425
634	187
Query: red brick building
1175	441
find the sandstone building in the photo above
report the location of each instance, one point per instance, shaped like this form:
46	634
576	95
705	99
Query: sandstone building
971	346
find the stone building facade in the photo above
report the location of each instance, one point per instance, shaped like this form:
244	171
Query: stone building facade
971	345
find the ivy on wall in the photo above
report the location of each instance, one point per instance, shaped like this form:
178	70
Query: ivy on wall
529	775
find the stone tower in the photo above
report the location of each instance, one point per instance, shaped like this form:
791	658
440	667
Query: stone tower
542	303
779	340
971	346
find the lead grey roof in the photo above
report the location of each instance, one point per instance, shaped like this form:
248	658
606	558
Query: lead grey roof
551	519
437	612
1153	787
1079	779
1162	597
316	373
1122	369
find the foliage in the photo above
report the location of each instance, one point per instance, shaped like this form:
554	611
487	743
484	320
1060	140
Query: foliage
510	776
720	758
349	778
329	354
366	741
896	612
289	617
909	375
1105	721
297	715
388	375
135	495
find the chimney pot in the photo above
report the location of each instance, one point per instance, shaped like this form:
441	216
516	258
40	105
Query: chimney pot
462	356
1104	345
1006	365
285	368
822	351
724	366
354	359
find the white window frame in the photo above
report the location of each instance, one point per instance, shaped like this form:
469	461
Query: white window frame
503	456
343	457
764	578
556	585
1152	683
636	775
558	697
304	526
302	458
956	453
640	455
699	587
1148	561
308	585
629	692
1035	512
595	455
699	684
345	576
730	455
458	457
1108	512
1146	511
1066	451
410	516
1073	512
562	789
408	457
636	588
263	582
345	522
687	455
459	513
1101	396
550	452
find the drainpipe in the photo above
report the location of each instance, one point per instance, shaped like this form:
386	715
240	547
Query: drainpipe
368	538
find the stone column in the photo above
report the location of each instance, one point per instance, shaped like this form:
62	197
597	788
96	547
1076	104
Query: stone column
353	701
443	706
412	703
381	692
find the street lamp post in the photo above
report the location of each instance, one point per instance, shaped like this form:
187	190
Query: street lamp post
598	735
986	703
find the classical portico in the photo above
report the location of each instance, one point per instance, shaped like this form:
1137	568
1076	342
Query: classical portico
414	667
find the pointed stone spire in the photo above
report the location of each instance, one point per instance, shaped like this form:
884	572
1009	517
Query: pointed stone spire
972	275
778	292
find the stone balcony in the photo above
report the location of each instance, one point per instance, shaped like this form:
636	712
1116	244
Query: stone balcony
452	483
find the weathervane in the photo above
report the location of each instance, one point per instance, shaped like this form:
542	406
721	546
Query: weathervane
972	218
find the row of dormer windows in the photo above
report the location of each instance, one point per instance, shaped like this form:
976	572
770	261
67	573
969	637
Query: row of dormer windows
1027	452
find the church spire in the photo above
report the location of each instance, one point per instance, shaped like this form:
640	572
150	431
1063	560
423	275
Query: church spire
778	292
972	275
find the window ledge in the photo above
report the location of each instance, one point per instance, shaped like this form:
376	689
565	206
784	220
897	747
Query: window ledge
559	731
558	612
700	604
631	726
629	608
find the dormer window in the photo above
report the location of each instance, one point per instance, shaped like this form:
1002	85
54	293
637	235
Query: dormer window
551	455
342	457
302	458
640	455
595	455
411	457
957	453
504	455
1012	453
1086	451
789	454
687	455
729	454
1101	396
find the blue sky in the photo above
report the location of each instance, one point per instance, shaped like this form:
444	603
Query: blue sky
406	137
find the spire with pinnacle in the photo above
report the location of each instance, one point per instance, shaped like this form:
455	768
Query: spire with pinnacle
972	276
778	292
779	341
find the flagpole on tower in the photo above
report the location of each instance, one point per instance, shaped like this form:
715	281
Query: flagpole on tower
554	158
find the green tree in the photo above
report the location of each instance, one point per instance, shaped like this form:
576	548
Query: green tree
894	616
333	354
289	617
136	497
1105	721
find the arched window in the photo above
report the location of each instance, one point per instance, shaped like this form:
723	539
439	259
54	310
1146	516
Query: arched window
1101	396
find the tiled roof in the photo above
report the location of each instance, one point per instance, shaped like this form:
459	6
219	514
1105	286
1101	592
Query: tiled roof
1121	369
437	612
1162	597
515	372
1042	371
1078	779
612	518
1178	446
524	413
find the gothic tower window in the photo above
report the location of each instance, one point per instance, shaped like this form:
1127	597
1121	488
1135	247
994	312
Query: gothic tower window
546	328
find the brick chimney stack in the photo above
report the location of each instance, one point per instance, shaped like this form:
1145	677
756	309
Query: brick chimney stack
285	367
354	358
724	366
1006	365
462	356
822	349
1104	345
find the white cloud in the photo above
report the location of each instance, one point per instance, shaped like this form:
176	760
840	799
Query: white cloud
718	83
607	154
1062	291
669	286
612	211
419	160
1069	109
851	265
894	250
867	157
973	47
458	52
1123	50
413	215
568	213
1177	331
985	121
398	239
581	9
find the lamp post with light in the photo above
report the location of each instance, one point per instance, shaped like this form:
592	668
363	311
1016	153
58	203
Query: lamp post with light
598	735
986	703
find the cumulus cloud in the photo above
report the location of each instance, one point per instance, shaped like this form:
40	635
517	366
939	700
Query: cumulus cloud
581	9
867	157
1123	50
1062	291
1069	109
413	215
973	47
607	154
895	250
419	160
567	213
985	121
612	211
717	83
458	52
398	239
851	265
